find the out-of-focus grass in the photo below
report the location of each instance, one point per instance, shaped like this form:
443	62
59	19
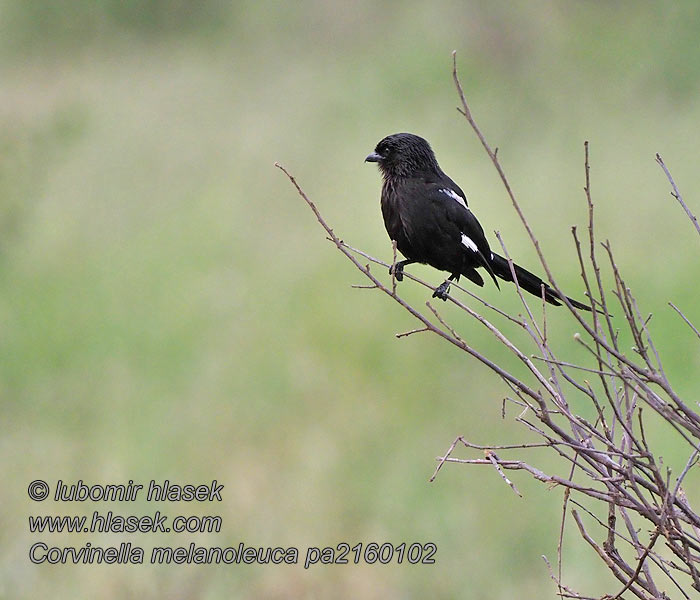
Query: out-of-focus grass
169	308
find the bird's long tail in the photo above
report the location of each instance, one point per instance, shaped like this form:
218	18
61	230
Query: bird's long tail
530	282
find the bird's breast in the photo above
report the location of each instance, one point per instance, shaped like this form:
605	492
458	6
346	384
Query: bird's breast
395	218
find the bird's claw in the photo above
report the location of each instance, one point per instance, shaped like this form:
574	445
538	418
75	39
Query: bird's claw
441	291
397	271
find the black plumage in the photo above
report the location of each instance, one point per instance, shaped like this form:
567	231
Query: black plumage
428	216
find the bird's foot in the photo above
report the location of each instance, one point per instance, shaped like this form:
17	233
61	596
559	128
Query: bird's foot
397	270
441	291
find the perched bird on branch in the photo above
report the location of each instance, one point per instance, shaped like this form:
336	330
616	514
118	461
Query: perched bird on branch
426	213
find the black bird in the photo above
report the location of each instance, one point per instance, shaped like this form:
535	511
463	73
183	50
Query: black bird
427	214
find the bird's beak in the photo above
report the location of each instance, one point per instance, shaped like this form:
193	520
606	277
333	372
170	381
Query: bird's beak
374	157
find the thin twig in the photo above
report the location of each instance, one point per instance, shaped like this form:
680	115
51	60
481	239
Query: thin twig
678	310
677	195
494	461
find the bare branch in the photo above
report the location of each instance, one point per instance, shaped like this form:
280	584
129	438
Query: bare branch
674	307
614	468
677	195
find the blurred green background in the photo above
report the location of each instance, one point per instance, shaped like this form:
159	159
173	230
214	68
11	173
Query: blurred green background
171	310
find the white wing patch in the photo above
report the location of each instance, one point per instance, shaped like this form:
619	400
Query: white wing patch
455	196
469	243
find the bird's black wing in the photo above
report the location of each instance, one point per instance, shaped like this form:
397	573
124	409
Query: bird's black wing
448	200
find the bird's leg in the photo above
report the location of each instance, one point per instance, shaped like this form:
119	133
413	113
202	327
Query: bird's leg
397	268
443	288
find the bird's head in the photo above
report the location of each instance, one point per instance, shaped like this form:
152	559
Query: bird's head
403	155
